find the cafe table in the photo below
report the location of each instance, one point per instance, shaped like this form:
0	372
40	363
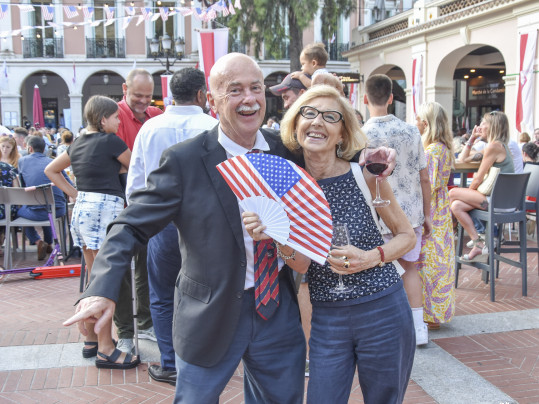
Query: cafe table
464	169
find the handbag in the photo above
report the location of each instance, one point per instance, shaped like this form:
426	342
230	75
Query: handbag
488	182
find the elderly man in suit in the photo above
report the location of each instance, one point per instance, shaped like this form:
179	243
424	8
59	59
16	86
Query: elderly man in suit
216	323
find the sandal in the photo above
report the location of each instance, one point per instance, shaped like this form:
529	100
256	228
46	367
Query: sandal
91	352
482	257
109	361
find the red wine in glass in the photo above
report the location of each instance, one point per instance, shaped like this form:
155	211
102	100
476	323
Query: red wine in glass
376	155
376	168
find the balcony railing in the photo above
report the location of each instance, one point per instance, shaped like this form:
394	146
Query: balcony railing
105	48
43	48
335	50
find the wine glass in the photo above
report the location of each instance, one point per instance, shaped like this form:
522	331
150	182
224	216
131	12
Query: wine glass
340	239
376	156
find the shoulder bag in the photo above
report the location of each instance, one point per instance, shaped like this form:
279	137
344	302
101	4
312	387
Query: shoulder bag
488	182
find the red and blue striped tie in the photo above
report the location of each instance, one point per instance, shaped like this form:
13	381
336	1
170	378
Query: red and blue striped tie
266	278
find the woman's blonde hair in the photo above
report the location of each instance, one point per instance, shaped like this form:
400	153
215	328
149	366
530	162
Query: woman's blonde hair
353	138
438	129
498	126
14	156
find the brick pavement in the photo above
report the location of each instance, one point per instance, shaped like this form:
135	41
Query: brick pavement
506	362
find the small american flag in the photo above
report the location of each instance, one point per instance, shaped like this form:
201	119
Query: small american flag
3	10
130	11
259	174
109	12
88	12
71	11
231	7
26	8
146	12
164	13
48	12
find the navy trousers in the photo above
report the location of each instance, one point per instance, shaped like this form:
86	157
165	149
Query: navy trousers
38	214
164	263
272	352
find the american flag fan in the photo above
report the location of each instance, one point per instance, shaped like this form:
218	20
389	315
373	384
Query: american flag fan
282	194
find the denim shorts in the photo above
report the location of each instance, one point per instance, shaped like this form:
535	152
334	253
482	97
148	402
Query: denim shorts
92	214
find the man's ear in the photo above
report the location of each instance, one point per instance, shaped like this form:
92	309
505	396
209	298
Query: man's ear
124	88
390	99
211	102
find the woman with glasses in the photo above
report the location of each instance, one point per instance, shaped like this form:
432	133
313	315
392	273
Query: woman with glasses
369	327
494	128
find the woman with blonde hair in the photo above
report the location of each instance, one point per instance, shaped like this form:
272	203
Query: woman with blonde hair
8	150
494	128
367	328
436	261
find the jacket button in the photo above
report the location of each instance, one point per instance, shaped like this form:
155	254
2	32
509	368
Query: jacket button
239	295
243	263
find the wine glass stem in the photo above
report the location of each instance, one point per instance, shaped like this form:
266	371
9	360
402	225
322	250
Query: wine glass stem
341	283
377	188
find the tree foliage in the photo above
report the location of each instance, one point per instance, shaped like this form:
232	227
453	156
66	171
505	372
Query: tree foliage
265	21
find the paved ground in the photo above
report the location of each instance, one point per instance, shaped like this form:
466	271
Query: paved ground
489	353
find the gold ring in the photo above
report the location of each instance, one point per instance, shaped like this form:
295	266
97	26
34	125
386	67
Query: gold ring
347	264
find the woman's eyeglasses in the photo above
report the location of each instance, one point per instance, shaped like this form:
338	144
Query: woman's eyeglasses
7	134
329	116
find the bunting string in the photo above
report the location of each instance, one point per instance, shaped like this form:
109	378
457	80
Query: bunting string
222	8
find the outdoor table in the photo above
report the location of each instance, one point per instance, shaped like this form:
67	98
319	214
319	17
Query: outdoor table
464	169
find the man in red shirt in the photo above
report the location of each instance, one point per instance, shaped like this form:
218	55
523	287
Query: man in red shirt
134	110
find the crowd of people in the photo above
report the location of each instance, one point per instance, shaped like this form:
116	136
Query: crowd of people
147	193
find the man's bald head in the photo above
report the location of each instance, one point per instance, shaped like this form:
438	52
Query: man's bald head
228	66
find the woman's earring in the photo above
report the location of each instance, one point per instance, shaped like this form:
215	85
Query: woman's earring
339	150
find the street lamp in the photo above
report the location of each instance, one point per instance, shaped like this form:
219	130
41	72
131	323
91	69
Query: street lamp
165	44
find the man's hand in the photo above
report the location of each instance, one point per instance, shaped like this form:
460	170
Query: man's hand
391	162
254	226
93	309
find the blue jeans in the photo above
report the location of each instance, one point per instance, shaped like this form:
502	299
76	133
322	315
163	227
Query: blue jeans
164	263
38	214
273	355
377	337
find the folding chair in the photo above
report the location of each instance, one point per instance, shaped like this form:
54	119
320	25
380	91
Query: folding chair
20	196
506	206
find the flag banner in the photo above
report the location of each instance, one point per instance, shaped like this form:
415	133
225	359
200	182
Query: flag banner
109	12
88	12
417	83
237	4
164	13
96	23
130	11
352	95
127	20
140	19
3	10
212	44
165	89
71	11
231	8
26	8
185	11
74	74
525	94
4	71
255	177
146	12
155	17
47	12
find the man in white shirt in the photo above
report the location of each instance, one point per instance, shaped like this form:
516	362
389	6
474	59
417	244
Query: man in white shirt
180	122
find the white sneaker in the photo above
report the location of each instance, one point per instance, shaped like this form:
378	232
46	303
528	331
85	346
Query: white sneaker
126	345
148	333
422	335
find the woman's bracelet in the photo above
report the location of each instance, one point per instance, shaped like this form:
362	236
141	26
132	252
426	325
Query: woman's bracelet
280	253
382	256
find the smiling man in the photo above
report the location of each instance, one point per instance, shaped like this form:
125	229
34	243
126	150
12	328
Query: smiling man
216	322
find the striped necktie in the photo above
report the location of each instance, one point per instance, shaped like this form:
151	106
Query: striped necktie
266	275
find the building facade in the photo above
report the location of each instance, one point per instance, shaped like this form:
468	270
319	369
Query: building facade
90	53
467	53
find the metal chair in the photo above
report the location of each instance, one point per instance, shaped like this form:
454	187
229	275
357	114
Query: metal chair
20	196
532	190
506	206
